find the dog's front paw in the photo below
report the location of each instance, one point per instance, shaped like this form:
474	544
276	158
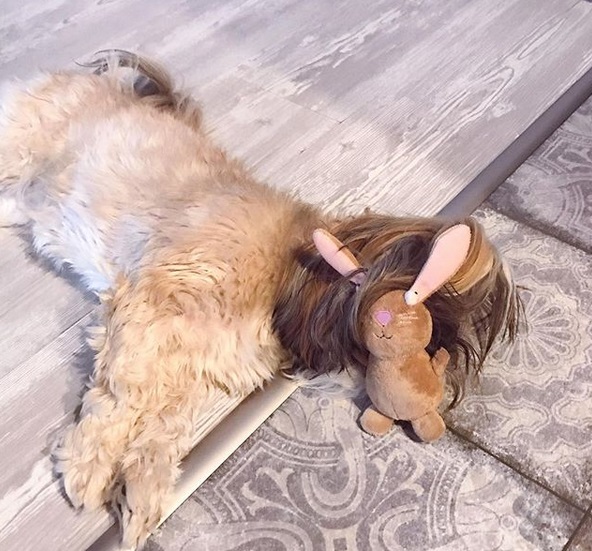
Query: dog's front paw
85	467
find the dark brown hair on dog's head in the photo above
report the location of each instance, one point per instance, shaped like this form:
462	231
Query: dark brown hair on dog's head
318	312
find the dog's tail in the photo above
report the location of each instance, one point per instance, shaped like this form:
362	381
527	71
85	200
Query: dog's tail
148	80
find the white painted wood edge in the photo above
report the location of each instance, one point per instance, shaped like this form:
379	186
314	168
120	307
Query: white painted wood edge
215	448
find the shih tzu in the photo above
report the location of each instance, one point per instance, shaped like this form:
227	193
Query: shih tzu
207	278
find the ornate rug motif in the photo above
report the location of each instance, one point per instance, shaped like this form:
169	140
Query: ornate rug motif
310	479
533	407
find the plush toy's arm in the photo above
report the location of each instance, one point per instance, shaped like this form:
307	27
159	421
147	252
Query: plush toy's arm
440	361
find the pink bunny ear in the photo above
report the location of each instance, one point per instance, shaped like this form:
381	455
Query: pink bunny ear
447	256
337	255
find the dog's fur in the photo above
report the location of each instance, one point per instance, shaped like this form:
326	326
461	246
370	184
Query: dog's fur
207	278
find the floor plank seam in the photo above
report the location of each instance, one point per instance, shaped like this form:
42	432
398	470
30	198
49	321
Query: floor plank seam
460	434
542	228
587	517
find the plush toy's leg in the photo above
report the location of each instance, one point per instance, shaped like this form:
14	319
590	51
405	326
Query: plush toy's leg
440	361
375	422
429	427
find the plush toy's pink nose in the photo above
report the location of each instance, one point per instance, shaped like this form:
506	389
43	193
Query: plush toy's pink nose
383	317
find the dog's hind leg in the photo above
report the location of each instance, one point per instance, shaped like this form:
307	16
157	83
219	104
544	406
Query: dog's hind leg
88	456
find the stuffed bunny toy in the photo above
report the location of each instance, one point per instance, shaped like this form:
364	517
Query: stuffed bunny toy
402	380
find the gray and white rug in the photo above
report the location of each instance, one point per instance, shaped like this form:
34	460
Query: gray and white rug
514	472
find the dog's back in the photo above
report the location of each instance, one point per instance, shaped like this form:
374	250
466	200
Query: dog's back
114	172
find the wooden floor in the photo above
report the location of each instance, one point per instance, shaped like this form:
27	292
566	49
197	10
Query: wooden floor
351	104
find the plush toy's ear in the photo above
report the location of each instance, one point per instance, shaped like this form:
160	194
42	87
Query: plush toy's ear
337	255
446	257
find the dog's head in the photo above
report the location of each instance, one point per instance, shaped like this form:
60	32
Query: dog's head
319	313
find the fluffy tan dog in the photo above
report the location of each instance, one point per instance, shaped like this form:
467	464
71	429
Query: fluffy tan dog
207	278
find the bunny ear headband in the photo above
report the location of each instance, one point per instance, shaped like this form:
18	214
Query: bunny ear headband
448	253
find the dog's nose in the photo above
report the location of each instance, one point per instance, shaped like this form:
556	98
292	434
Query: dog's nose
383	317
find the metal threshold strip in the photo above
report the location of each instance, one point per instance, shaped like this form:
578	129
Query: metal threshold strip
520	149
235	428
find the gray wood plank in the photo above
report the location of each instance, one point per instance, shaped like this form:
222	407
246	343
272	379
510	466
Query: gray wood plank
403	51
423	148
36	304
181	33
265	130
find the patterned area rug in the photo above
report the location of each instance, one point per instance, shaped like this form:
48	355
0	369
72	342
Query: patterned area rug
514	471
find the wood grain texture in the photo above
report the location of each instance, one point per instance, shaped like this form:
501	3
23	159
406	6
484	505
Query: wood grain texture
349	104
35	305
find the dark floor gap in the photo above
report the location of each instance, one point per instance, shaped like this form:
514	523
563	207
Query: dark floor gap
580	525
539	229
464	437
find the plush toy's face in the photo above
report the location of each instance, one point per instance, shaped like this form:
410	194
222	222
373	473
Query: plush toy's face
392	327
